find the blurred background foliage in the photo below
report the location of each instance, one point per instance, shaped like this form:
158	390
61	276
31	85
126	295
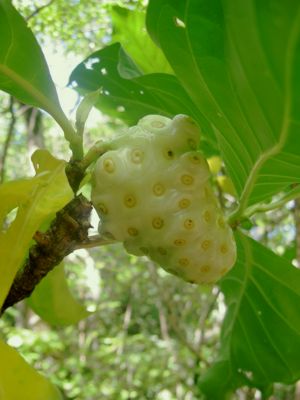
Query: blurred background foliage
149	335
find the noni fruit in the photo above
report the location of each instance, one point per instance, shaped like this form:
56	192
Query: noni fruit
152	192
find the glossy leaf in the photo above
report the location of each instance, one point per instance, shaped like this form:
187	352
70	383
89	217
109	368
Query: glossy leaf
131	99
240	64
129	29
53	301
260	340
49	193
19	380
24	72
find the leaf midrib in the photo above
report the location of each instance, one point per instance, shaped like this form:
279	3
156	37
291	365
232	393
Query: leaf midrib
284	132
28	87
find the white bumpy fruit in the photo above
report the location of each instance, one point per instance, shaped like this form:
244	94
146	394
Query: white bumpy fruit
152	192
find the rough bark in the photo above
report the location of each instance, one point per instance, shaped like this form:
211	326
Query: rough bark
69	228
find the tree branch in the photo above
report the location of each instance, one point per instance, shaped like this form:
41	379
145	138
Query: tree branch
69	228
68	232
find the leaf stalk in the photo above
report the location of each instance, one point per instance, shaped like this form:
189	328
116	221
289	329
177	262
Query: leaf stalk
235	218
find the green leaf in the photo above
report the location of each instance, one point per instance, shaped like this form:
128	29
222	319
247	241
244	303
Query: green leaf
24	72
23	69
19	380
129	29
219	381
53	301
84	109
260	339
131	99
49	193
240	63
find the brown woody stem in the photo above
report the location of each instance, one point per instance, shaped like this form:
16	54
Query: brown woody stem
69	228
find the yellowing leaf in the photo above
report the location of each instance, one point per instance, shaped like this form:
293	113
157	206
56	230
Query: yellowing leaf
18	380
53	301
50	192
215	164
226	185
14	193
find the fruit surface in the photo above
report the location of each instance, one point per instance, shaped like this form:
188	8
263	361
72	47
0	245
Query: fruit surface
152	192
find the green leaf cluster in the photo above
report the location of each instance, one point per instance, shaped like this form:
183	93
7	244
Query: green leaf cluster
236	71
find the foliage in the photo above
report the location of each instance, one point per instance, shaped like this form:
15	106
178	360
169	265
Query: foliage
234	68
259	145
17	377
260	294
37	200
59	21
53	301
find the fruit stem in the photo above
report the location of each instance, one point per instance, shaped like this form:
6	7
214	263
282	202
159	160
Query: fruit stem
74	139
95	241
97	150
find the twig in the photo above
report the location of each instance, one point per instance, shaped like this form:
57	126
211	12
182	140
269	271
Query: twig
39	9
94	241
76	168
97	150
69	228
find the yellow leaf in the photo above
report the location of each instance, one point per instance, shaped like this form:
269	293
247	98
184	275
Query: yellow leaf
19	381
14	193
48	193
226	185
215	164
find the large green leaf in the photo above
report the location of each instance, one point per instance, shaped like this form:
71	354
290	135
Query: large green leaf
49	193
53	301
129	29
260	340
18	380
240	63
24	72
129	95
